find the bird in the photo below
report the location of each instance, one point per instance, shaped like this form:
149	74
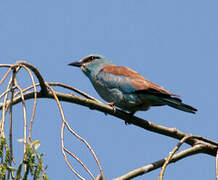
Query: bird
125	88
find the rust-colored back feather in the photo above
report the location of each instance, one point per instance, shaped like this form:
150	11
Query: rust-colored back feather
123	71
138	81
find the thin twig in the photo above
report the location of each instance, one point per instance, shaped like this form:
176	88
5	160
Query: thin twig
86	95
62	131
6	91
64	86
65	156
74	89
99	177
24	117
11	122
35	99
171	155
35	93
157	164
4	108
88	146
10	149
37	73
74	156
5	76
6	65
206	140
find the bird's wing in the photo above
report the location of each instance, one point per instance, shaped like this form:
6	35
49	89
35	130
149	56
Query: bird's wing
122	71
147	87
129	81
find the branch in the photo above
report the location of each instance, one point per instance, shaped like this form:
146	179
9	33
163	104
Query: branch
171	155
158	164
36	72
211	146
64	122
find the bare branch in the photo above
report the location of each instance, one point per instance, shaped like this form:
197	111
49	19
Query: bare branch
74	156
36	72
4	105
75	134
74	89
155	165
11	120
35	101
171	155
5	76
147	125
24	117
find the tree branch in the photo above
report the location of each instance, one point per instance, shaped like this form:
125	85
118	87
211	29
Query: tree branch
211	148
171	155
36	72
158	164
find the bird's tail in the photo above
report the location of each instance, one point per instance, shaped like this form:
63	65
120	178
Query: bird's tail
177	103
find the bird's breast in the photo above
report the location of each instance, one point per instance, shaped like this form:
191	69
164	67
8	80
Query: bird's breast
108	94
127	101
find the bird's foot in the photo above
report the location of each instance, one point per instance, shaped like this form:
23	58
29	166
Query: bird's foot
112	104
131	114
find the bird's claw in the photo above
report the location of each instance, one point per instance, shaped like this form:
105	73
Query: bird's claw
112	104
131	114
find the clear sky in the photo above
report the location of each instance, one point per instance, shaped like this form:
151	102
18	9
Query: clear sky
173	43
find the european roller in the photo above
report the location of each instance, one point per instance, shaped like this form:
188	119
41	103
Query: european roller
125	88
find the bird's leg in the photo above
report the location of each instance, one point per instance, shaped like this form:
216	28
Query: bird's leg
112	104
131	114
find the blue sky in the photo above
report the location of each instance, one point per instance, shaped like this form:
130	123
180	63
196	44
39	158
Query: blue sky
172	43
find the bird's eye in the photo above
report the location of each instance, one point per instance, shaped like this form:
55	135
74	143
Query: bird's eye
91	57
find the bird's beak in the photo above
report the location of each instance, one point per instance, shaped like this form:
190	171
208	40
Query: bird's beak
77	64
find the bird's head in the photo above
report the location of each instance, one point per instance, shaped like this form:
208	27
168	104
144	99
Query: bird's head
91	64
